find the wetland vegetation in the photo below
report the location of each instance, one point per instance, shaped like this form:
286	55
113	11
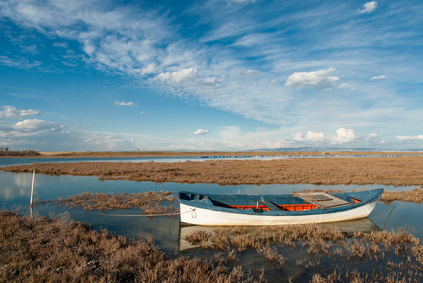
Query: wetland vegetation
59	250
396	171
6	152
148	202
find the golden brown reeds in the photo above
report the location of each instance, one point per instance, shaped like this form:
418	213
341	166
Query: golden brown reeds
415	195
271	254
390	253
148	202
48	250
397	171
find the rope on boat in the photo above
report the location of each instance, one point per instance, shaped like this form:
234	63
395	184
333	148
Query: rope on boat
386	221
141	225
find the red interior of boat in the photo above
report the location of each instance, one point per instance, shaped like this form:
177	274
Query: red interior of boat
290	207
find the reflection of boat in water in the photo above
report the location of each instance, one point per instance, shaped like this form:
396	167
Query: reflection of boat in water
295	208
364	225
185	245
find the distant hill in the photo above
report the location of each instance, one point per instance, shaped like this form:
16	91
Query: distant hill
326	149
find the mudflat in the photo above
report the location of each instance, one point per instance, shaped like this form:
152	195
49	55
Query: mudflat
398	171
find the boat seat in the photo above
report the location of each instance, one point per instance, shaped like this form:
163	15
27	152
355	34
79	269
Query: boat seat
270	205
320	199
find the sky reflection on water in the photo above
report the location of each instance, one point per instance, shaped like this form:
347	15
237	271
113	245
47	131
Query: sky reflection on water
15	193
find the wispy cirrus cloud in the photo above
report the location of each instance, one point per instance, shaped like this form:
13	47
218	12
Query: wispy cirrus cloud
19	62
244	59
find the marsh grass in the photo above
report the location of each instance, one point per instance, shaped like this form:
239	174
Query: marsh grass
415	195
328	254
50	250
397	171
148	202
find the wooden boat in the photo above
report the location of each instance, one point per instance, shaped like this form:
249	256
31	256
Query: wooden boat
294	208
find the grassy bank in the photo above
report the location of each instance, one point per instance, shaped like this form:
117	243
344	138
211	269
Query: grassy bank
56	250
49	250
397	171
148	202
327	255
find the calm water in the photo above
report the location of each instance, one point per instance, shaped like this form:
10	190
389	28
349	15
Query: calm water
21	161
166	232
15	194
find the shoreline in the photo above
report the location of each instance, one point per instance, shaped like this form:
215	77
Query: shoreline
120	154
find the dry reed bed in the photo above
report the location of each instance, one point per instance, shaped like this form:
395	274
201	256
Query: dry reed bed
415	195
397	171
49	250
149	202
378	256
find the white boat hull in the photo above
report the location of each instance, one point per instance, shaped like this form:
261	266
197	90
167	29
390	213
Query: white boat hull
202	216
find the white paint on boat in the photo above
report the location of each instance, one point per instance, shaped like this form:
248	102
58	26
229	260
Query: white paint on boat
209	217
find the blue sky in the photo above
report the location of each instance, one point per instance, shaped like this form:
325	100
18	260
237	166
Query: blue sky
210	75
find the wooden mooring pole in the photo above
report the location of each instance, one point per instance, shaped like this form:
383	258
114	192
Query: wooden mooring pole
32	188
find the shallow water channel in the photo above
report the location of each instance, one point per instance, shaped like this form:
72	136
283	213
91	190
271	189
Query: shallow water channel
15	190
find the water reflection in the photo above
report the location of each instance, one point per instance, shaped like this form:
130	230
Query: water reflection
15	191
364	225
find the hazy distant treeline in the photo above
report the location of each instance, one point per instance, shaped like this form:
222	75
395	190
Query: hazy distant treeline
4	151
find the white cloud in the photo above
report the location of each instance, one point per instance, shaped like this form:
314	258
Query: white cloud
179	76
200	132
371	136
368	7
35	125
210	81
123	103
318	79
378	77
151	68
343	136
311	136
408	138
10	112
251	73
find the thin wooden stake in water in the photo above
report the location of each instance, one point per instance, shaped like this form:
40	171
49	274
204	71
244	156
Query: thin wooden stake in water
32	188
